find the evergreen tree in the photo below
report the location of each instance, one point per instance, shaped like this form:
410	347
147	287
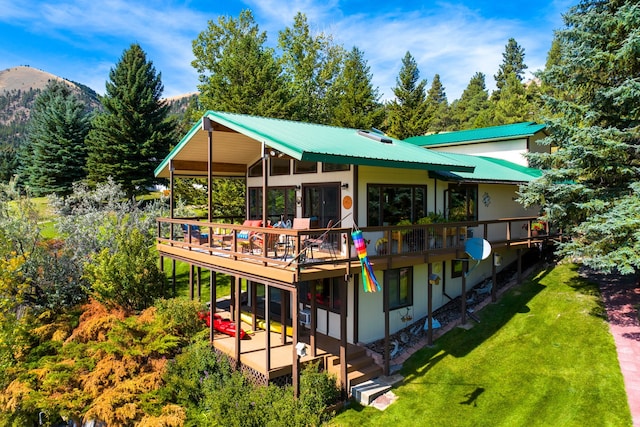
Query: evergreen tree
55	155
311	65
437	111
512	62
590	185
406	113
358	103
237	72
133	134
471	111
513	105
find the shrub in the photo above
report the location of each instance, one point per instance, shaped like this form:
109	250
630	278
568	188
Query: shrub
128	276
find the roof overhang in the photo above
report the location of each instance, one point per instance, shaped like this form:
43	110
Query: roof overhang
238	141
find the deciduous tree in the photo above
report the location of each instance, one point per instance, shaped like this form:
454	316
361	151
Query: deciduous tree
237	72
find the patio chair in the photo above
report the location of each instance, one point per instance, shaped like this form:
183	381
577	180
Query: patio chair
322	241
192	234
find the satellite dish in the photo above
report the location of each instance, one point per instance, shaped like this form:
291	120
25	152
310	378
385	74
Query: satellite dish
477	248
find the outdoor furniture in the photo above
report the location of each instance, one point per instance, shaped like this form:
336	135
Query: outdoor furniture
192	234
322	241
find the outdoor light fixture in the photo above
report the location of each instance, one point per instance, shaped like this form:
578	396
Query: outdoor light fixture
345	185
497	259
298	187
301	349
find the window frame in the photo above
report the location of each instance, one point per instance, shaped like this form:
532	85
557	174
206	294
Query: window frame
376	208
394	287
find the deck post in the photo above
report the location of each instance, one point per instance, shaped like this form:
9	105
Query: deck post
191	268
494	279
254	305
232	298
314	319
429	305
212	302
343	340
199	281
237	320
385	308
463	298
283	315
295	377
267	319
173	276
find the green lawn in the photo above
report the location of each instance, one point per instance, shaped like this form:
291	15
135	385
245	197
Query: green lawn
223	287
542	356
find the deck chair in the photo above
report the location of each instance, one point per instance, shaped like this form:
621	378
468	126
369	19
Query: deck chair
322	241
192	234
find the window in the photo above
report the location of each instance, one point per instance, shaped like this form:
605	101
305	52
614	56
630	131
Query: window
334	167
280	166
400	284
390	204
256	168
463	202
305	167
456	268
327	293
281	201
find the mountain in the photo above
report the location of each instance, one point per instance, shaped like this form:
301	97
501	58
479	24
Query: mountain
19	87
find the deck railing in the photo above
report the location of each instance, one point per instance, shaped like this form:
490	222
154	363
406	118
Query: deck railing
290	247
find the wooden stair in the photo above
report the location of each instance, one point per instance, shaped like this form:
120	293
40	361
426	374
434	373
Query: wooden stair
360	367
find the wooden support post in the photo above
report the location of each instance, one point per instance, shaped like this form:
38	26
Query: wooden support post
232	298
267	318
212	302
199	281
385	308
173	277
463	299
283	316
191	296
494	287
238	322
429	305
295	377
254	304
344	378
314	319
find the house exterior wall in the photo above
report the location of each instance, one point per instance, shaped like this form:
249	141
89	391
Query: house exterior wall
512	150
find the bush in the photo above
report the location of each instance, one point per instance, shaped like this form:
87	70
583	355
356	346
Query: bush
128	276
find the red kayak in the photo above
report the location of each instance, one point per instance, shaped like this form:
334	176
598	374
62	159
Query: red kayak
225	326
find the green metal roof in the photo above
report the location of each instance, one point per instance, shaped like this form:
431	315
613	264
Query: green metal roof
513	131
491	170
313	142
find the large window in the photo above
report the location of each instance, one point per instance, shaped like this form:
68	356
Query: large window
281	201
390	204
304	167
327	292
400	284
463	202
280	166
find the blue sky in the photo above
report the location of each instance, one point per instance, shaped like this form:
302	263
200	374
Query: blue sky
81	40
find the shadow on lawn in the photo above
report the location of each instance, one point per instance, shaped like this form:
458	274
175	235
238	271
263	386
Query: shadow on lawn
460	341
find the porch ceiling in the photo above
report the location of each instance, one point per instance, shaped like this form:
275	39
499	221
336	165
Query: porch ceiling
238	140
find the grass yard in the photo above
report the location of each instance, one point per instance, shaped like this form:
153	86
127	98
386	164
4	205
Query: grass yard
223	287
542	356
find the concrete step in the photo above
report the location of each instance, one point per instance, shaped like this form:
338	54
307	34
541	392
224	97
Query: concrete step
367	391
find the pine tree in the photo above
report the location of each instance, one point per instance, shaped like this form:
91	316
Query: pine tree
311	65
472	110
358	103
512	62
55	155
437	111
133	134
237	72
513	105
590	185
406	113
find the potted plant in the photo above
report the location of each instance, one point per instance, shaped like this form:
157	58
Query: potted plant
537	227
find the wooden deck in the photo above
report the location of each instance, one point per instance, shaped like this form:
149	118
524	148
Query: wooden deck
253	353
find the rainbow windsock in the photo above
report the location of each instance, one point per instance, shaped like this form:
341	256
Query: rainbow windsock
369	281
